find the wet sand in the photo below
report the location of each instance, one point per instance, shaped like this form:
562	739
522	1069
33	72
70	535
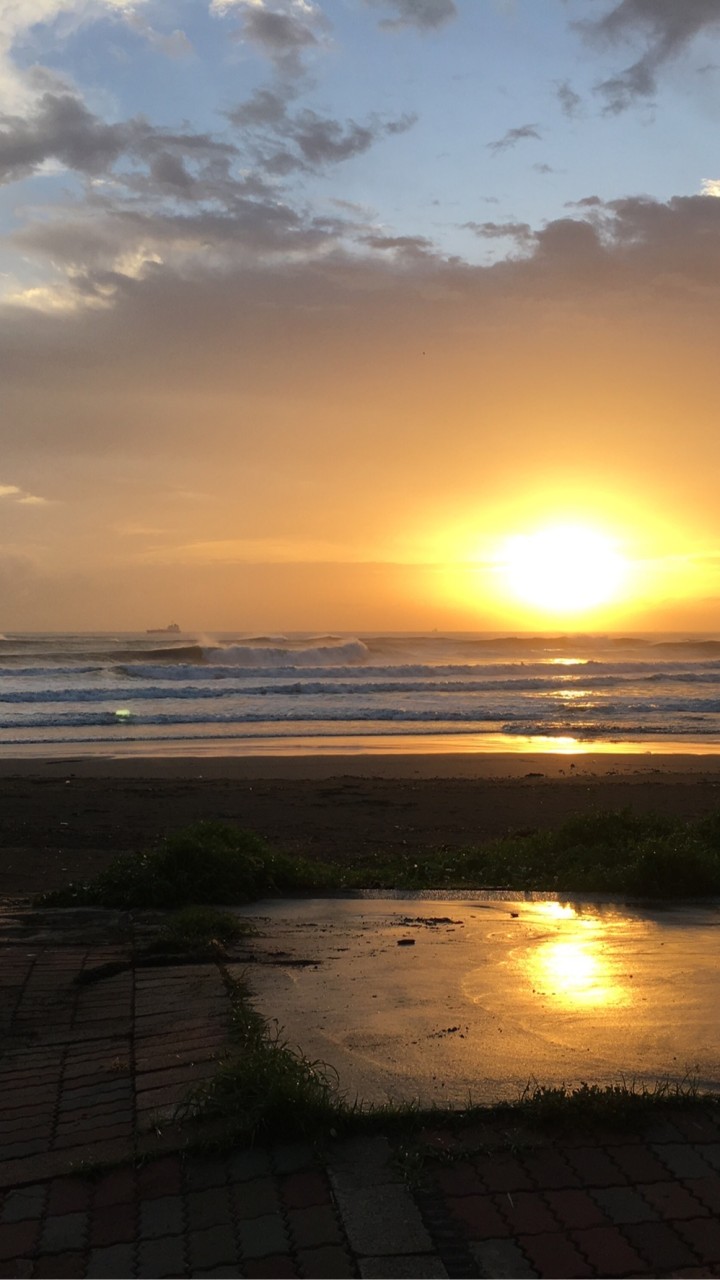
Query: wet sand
66	818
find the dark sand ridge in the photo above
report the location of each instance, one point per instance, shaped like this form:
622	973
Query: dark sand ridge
61	819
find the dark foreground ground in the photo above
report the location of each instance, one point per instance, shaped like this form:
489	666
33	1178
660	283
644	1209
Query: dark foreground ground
96	1178
96	1174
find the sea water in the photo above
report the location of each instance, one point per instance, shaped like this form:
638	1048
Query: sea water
235	693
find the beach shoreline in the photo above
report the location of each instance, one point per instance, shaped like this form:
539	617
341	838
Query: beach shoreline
62	819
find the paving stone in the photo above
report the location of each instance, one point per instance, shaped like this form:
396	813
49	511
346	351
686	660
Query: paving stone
18	1239
526	1212
160	1178
162	1257
217	1271
711	1153
461	1179
502	1172
660	1245
214	1247
683	1160
202	1174
293	1157
209	1208
23	1204
277	1267
552	1254
383	1220
115	1187
57	1266
326	1263
672	1200
640	1164
594	1167
501	1260
63	1233
313	1226
662	1131
707	1190
624	1204
608	1251
255	1197
160	1217
417	1266
262	1236
69	1195
703	1236
479	1216
243	1165
116	1261
301	1190
362	1162
550	1170
575	1208
113	1225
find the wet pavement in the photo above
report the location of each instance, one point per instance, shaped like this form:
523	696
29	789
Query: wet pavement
97	1180
452	998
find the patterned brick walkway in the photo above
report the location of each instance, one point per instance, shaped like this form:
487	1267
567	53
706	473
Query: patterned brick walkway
94	1072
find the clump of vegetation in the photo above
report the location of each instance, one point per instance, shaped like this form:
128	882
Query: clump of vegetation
209	862
264	1086
597	853
614	1105
194	931
623	853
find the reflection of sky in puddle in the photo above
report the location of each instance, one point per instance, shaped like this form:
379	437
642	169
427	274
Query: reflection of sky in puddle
578	968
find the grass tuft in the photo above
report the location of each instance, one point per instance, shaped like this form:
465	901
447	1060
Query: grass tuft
265	1087
209	862
193	931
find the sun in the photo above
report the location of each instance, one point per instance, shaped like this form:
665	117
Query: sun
562	569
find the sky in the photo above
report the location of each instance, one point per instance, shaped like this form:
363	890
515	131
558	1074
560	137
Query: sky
309	309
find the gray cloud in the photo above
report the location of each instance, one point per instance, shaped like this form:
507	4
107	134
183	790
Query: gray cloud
669	25
518	231
62	128
426	15
569	100
284	34
283	141
513	136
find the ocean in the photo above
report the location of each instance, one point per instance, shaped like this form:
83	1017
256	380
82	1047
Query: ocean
237	694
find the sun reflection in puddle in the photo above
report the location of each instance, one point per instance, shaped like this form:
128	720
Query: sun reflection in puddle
578	968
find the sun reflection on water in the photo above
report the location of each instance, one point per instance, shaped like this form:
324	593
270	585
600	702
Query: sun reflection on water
577	968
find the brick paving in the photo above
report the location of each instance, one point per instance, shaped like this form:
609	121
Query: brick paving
95	1072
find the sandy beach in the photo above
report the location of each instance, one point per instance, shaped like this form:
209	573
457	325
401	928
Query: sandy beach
66	818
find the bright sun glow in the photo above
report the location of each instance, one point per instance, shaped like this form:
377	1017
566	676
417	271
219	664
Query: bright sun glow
566	569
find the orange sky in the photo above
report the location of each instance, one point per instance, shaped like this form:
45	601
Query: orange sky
338	432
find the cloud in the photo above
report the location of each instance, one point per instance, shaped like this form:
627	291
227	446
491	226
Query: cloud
16	20
670	26
513	136
21	497
710	187
426	15
284	31
519	231
283	141
569	100
61	128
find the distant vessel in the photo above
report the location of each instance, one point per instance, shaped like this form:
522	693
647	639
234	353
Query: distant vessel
173	629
